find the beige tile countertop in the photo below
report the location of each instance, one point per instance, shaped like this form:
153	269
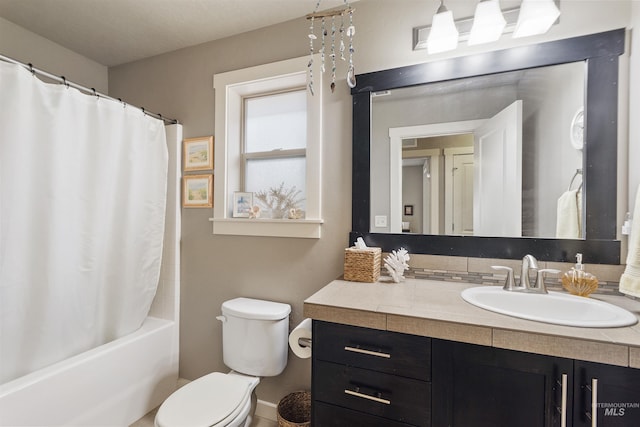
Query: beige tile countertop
436	309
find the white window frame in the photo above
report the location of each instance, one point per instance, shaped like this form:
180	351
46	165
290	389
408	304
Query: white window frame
231	88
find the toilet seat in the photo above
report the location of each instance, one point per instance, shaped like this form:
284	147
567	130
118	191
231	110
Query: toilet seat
213	400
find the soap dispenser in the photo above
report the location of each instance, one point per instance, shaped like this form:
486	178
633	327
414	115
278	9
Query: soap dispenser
577	281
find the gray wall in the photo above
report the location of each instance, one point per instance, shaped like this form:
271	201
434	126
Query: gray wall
412	194
28	47
217	268
551	96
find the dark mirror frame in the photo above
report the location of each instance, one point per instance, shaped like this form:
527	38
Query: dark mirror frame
600	53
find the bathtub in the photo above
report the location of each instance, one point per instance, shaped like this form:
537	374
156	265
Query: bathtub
112	385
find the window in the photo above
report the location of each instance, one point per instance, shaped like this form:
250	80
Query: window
275	142
268	136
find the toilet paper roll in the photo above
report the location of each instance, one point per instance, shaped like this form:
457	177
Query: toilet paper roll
303	330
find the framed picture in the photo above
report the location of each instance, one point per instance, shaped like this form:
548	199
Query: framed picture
408	210
196	191
242	204
198	153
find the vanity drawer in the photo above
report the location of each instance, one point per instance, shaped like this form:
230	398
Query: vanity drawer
382	351
326	415
396	398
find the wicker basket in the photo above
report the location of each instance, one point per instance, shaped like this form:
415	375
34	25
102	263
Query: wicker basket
362	265
294	410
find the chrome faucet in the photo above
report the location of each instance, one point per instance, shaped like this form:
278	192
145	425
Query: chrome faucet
528	263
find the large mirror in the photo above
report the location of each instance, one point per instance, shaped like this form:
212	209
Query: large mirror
454	153
492	155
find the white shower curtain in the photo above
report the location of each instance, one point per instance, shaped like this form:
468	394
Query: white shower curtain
82	207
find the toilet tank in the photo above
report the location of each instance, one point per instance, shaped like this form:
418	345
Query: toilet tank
255	336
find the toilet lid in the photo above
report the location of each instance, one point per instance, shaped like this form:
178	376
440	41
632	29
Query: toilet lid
204	402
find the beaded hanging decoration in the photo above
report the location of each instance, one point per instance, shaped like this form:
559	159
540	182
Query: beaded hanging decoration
330	34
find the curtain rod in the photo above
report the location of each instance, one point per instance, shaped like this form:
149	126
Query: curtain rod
90	91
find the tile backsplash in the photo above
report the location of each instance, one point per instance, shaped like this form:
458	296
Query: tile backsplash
479	271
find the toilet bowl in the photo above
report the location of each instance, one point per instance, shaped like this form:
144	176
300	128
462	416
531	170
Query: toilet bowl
255	344
216	399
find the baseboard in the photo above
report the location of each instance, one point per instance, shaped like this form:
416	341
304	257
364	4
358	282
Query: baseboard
266	410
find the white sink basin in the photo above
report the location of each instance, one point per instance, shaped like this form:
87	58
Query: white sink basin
554	307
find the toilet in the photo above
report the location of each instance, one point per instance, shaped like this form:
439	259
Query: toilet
254	344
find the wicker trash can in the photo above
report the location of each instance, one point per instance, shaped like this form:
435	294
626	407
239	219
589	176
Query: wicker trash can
294	410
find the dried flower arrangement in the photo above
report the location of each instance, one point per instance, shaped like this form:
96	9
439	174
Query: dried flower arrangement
280	201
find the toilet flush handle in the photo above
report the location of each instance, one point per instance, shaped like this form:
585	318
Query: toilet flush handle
221	318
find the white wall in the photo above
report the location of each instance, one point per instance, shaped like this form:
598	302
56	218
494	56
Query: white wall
24	46
634	107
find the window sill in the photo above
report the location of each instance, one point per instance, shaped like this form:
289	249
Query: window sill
297	228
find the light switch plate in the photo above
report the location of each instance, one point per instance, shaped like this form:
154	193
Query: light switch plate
380	220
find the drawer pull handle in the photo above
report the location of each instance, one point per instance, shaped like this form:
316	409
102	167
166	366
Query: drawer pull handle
366	396
367	352
594	402
563	420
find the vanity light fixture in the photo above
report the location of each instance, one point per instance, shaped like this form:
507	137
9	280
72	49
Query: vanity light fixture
536	17
488	23
444	34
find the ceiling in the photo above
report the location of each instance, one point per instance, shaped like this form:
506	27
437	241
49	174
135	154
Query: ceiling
113	32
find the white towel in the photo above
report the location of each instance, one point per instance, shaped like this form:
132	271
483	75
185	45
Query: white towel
630	280
568	215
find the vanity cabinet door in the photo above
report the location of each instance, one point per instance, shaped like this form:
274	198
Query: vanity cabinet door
614	391
476	386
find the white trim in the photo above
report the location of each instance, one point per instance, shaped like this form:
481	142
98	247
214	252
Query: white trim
230	87
267	410
417	154
302	228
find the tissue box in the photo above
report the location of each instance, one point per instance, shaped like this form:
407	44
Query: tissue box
362	265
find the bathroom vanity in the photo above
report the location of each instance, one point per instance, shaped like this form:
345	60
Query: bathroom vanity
416	354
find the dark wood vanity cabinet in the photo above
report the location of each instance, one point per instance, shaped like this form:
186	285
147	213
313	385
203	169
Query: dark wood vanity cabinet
477	386
368	377
614	391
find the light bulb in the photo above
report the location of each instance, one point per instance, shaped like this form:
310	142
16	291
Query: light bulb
535	17
488	23
444	34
